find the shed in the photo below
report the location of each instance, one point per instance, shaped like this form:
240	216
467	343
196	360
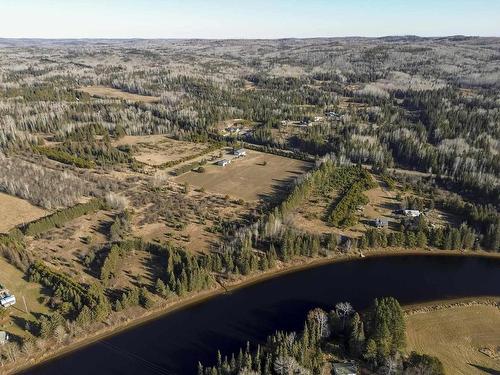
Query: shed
240	152
345	369
4	338
7	300
381	222
223	162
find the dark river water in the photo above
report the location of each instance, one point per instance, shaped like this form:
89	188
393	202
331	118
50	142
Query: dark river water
176	342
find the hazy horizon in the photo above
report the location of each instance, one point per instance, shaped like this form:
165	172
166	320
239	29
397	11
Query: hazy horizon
259	19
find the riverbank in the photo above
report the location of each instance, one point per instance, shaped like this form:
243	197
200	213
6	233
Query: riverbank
233	285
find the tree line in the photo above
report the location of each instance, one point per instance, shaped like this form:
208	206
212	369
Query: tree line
375	340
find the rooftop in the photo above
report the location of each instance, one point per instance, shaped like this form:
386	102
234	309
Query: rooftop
344	369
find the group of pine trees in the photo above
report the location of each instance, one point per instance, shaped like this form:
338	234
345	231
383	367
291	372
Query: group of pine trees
111	266
61	285
83	149
445	238
342	212
375	340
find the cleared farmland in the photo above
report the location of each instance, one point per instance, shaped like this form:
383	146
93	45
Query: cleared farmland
14	280
155	150
15	211
455	336
109	92
255	176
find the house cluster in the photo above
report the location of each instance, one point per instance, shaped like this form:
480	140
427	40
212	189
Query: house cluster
333	115
6	298
236	130
410	215
238	153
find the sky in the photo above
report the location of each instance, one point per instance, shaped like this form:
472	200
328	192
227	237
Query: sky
246	18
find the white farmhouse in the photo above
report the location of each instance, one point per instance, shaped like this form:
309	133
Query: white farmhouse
411	213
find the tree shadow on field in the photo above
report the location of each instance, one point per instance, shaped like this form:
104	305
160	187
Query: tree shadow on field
392	206
487	370
279	189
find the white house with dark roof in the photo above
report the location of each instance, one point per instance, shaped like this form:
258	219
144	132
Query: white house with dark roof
411	213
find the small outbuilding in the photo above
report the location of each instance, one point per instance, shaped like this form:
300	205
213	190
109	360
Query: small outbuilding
223	162
8	301
239	152
345	369
4	338
6	298
381	222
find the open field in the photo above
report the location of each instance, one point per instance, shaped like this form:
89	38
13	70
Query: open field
13	279
109	92
155	150
382	202
64	248
455	336
15	211
311	214
248	178
188	220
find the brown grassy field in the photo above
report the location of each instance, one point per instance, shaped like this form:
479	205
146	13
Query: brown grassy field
13	279
64	248
187	220
155	150
310	215
455	336
109	92
248	178
15	211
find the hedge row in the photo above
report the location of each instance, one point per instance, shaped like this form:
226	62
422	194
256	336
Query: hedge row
61	217
64	157
276	151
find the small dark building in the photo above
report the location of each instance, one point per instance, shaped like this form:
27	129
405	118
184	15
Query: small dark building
380	222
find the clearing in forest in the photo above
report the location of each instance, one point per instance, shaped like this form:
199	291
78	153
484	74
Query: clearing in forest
109	92
311	215
15	211
193	220
156	150
65	248
13	280
252	177
456	336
